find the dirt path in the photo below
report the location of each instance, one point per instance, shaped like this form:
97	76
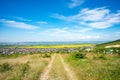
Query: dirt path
58	70
70	73
44	76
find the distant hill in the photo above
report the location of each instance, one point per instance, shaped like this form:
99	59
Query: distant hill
115	43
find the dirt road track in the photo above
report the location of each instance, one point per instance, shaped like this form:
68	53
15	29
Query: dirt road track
47	72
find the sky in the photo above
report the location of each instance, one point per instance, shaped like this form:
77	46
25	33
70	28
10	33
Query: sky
59	20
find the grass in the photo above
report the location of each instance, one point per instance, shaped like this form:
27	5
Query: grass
12	56
5	67
86	65
27	67
95	66
116	42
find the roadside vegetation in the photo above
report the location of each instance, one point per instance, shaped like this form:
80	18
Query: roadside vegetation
24	67
94	66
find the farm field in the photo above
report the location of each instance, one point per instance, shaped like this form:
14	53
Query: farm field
51	46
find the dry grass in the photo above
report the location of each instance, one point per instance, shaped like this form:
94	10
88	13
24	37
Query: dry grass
27	67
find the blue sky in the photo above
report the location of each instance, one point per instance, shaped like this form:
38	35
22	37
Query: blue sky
59	20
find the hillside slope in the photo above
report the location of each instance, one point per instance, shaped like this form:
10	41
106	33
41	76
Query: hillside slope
115	43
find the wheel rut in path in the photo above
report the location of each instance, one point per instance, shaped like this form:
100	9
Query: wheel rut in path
57	69
70	73
44	76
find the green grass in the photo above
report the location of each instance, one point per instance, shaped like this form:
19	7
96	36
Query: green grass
116	42
99	67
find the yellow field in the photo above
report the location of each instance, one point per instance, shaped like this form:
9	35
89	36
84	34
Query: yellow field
56	46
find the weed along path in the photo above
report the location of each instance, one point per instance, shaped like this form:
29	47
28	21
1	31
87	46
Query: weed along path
58	70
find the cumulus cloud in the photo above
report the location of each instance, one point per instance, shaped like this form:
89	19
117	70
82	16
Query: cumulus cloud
16	24
75	3
94	18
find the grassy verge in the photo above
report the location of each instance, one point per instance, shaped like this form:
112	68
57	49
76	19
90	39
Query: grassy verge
95	66
28	67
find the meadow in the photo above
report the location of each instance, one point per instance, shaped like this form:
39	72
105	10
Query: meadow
62	65
92	66
22	67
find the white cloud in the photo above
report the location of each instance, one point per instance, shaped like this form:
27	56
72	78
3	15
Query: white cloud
106	22
75	3
94	18
21	18
100	25
83	30
41	22
66	35
58	16
94	14
117	34
15	24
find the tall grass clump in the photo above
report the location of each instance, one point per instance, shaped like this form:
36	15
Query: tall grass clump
24	69
5	67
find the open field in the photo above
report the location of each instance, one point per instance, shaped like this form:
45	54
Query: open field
91	66
27	67
60	62
51	46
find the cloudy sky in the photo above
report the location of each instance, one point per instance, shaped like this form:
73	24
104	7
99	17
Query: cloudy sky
59	20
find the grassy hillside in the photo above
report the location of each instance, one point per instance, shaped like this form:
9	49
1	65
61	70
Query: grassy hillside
116	42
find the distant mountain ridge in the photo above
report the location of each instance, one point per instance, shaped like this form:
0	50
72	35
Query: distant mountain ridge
52	43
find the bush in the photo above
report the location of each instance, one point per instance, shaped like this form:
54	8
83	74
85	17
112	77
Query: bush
79	55
47	55
5	67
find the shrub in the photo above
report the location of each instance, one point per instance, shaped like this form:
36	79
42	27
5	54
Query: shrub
47	55
79	55
5	67
102	56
